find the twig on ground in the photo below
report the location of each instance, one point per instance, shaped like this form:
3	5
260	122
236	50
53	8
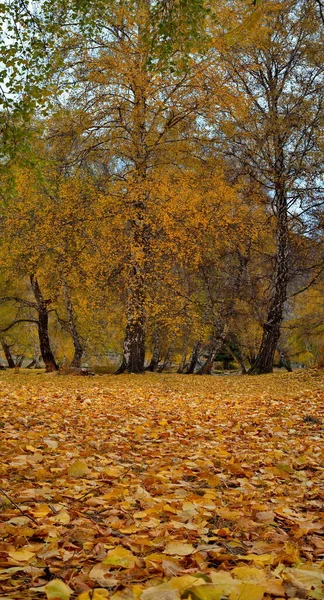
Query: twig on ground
18	507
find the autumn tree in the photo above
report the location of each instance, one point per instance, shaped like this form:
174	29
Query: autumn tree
280	72
40	241
132	119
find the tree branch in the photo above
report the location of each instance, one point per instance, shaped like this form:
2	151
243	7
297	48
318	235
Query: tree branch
16	322
21	301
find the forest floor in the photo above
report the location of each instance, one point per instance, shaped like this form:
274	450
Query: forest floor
161	487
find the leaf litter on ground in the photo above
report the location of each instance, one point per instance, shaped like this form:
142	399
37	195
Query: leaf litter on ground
162	487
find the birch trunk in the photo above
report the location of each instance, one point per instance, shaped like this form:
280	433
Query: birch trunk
77	342
194	358
271	328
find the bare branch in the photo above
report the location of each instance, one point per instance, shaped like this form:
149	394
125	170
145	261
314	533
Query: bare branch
21	301
16	323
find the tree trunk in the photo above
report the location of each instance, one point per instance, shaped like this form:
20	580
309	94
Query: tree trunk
139	230
44	341
167	360
31	364
208	365
285	360
194	358
134	348
37	357
183	361
238	358
7	353
271	329
156	352
19	361
77	343
134	343
251	358
222	323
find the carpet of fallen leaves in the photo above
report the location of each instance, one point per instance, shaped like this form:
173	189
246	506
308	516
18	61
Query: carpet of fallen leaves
161	487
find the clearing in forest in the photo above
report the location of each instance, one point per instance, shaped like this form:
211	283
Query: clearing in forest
161	487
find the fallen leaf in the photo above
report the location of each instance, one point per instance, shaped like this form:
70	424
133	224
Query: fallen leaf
22	555
96	594
57	590
179	549
78	469
161	592
120	557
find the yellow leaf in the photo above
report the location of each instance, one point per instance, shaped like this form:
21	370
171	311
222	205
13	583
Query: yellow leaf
124	594
100	574
213	480
112	471
185	582
31	448
62	517
97	594
41	511
249	574
248	591
307	576
57	590
140	515
231	515
21	555
179	548
206	592
50	443
153	558
161	592
78	469
137	591
169	508
120	557
224	582
262	559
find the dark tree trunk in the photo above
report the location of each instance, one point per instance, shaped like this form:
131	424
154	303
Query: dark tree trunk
134	343
44	341
7	353
193	358
77	342
156	352
167	360
134	348
183	362
31	364
206	368
77	358
19	361
222	323
271	329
